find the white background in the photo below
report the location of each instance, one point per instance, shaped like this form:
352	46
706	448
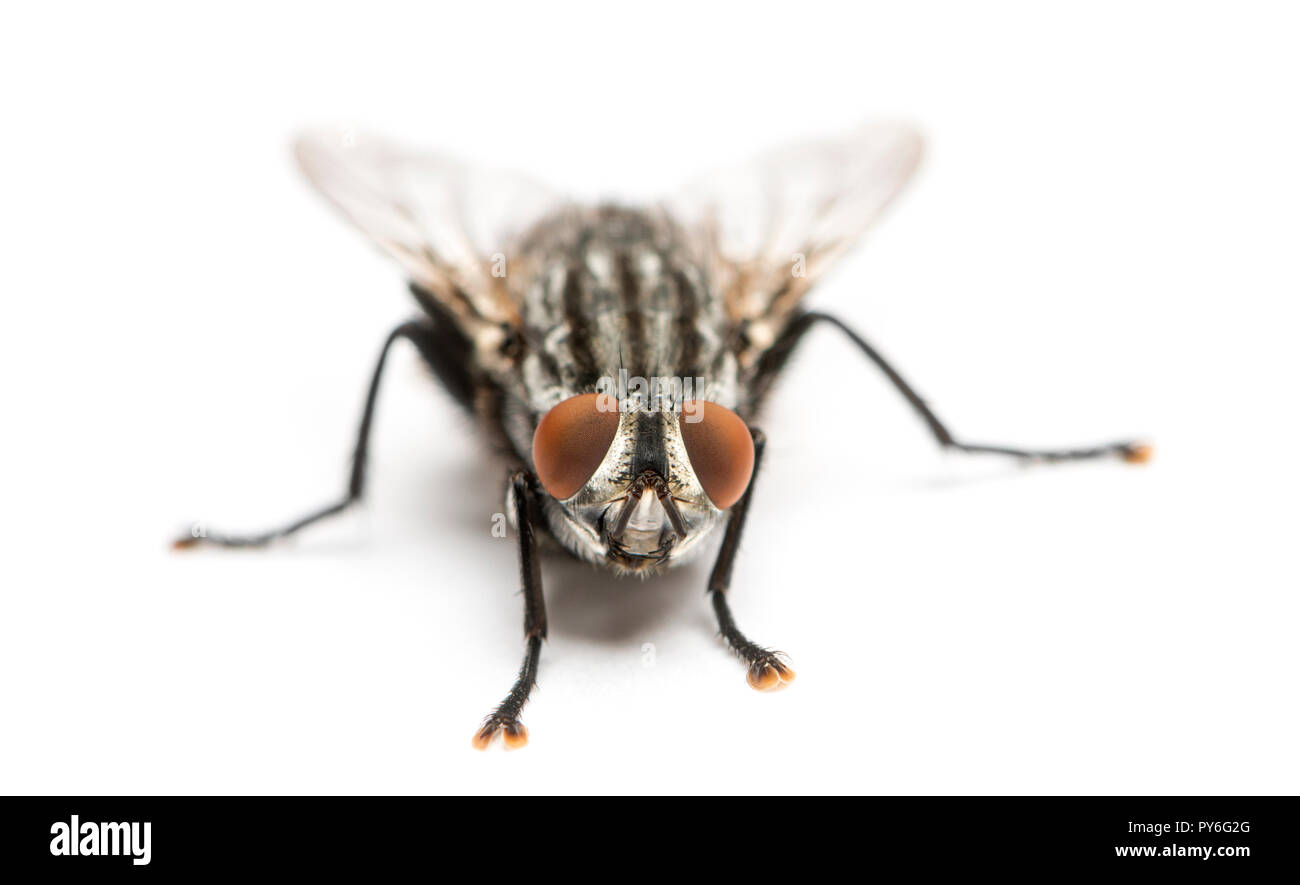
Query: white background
1101	242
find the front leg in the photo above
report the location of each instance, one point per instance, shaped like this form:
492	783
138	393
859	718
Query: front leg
767	669
505	718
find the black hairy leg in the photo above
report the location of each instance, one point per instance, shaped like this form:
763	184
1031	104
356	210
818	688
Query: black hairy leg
419	333
505	718
1131	451
766	669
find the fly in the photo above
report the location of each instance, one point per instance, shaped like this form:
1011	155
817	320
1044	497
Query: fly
536	311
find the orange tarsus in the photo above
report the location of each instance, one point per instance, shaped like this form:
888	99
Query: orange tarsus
1139	454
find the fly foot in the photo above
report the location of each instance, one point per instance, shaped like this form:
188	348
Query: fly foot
512	732
769	672
1136	453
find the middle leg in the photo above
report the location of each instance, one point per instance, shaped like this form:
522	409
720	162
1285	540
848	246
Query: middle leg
1128	450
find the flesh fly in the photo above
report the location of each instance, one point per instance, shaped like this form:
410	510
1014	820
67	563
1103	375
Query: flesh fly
618	356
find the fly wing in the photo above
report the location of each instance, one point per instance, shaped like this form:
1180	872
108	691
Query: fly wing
770	228
447	224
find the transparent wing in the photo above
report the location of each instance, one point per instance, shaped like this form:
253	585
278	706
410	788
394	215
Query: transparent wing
771	227
449	225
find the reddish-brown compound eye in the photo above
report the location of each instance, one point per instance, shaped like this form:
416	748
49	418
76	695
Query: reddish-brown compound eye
721	450
571	441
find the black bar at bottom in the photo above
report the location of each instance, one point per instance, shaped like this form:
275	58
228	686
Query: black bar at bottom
636	836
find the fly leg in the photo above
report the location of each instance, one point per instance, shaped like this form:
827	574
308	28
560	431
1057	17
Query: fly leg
418	333
505	718
767	669
1130	451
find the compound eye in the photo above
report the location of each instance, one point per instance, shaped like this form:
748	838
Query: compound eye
721	450
571	440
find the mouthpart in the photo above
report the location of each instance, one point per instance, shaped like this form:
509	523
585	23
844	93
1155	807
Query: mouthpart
648	524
